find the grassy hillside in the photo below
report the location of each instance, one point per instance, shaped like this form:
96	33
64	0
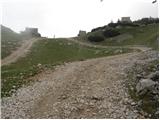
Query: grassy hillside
9	41
50	52
146	35
46	54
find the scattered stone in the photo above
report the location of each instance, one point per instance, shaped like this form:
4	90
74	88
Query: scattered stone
40	99
106	52
154	76
39	65
139	76
139	103
97	52
133	103
96	98
69	43
144	85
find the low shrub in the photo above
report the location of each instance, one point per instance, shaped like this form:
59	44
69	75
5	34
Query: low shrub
111	32
95	38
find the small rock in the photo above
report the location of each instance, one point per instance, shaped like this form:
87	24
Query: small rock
126	100
157	113
133	103
139	76
97	51
69	43
106	51
38	65
143	85
139	103
149	115
21	73
154	76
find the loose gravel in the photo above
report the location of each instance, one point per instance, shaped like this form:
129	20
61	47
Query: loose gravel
93	88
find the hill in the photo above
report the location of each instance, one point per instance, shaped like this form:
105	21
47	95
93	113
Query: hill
10	41
139	32
94	85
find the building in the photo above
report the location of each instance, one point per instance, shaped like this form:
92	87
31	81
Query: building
82	33
31	32
126	19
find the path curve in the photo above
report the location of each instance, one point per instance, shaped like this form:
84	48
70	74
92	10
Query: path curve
21	51
136	47
85	89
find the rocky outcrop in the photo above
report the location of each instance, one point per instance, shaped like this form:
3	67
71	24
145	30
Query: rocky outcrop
143	84
154	76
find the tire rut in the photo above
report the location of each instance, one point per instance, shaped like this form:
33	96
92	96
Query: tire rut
20	52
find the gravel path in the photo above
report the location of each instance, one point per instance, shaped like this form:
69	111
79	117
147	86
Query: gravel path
21	51
87	89
135	47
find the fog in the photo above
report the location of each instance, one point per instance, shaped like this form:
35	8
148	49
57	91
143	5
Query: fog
64	18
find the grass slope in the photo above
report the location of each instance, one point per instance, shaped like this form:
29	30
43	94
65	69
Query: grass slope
9	41
48	53
142	35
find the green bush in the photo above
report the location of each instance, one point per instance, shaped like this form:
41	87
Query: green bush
111	32
147	21
95	38
98	28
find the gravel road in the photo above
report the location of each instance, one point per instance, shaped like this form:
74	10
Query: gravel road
86	89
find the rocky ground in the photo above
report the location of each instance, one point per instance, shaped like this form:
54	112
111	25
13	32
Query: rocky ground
143	84
94	88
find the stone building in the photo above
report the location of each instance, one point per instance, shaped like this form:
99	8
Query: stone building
82	33
31	32
126	19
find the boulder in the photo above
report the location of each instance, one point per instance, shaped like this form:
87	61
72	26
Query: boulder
144	85
154	76
139	76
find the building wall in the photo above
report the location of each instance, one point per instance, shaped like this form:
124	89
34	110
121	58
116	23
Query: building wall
125	19
82	33
31	32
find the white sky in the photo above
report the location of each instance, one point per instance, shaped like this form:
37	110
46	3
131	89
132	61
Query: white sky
65	18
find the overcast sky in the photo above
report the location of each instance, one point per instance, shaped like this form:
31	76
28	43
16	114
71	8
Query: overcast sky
65	18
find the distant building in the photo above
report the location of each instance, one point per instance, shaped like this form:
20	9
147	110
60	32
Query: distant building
82	33
31	32
126	19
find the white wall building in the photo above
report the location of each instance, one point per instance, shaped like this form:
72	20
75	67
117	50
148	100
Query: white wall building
126	19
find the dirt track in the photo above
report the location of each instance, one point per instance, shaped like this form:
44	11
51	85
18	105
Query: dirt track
86	89
21	51
142	48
